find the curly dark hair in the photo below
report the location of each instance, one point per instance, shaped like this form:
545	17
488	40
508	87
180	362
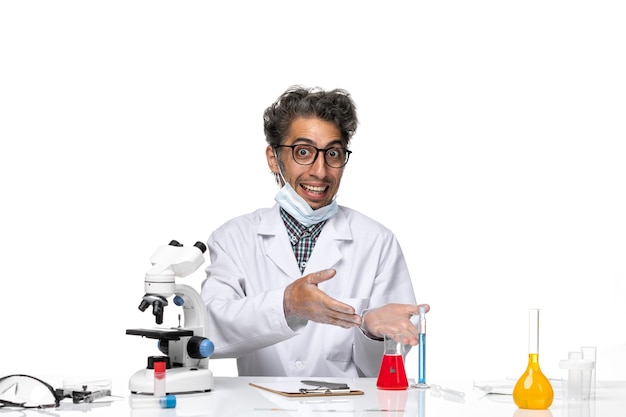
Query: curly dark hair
334	106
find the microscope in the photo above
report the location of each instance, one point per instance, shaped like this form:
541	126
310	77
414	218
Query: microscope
186	349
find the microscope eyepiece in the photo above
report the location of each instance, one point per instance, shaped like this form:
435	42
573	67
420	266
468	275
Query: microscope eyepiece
200	246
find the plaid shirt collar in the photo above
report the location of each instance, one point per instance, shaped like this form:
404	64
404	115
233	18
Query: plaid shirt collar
296	229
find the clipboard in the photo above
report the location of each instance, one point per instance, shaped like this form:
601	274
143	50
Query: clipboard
296	389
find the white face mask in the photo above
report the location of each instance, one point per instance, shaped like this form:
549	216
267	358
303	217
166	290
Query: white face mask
295	205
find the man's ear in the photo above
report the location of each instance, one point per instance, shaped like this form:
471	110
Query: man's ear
271	159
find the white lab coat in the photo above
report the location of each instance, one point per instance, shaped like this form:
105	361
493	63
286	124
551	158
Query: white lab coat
252	261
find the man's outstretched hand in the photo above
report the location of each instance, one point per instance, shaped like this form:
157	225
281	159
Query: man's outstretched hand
304	300
393	319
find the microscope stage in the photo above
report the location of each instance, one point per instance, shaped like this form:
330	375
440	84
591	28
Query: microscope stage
161	334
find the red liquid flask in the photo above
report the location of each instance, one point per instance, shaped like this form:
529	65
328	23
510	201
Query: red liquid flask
392	375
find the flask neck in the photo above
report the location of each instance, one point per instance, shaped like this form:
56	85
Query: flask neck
533	331
533	369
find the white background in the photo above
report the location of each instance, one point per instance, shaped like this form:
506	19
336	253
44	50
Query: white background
492	142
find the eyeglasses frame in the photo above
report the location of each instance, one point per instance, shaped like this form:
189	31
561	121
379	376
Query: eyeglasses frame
318	150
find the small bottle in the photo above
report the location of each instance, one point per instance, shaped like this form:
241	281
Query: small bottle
147	401
159	379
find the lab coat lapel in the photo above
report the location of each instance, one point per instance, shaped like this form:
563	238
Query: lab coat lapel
278	246
327	252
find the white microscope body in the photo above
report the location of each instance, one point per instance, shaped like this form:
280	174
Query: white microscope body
186	349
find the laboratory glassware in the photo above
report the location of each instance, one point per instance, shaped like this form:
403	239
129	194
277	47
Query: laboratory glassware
421	374
392	375
533	390
421	370
589	353
576	376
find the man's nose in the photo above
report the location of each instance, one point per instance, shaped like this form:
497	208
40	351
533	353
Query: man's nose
319	165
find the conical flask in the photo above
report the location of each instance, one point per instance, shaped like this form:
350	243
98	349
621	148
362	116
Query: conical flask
533	390
392	374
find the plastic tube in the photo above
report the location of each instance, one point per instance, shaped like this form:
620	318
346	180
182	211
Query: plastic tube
159	379
147	401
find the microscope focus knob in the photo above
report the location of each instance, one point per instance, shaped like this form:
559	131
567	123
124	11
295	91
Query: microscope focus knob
200	347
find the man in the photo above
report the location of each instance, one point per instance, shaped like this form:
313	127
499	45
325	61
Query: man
307	287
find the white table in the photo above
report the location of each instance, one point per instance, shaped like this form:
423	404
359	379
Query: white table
233	396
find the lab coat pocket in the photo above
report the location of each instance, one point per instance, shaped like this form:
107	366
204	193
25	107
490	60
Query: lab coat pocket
337	340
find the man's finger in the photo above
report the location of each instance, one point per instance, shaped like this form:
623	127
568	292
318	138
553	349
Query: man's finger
321	276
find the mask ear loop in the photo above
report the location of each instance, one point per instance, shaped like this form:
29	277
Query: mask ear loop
280	171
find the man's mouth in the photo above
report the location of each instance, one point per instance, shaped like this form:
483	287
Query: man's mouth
313	189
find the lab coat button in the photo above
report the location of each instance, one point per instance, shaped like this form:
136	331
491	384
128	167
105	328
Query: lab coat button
299	364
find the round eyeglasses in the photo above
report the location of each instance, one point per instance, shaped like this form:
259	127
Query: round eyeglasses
335	157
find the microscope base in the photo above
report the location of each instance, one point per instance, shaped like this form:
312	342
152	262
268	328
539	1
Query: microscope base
177	381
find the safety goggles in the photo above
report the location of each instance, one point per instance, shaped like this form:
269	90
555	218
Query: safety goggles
25	391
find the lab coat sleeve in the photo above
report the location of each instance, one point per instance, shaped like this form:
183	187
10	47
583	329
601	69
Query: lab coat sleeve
239	323
368	354
392	284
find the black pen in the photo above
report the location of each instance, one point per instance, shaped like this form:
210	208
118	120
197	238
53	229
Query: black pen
324	391
329	385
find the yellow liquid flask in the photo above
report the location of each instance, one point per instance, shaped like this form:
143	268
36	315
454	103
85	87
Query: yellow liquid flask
533	390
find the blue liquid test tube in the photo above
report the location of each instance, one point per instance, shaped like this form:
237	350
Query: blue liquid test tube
421	373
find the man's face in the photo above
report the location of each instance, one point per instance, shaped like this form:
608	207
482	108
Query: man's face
318	183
